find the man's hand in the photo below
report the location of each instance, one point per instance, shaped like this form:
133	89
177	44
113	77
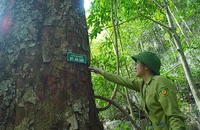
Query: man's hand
96	70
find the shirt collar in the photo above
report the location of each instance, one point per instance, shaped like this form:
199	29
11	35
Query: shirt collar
150	78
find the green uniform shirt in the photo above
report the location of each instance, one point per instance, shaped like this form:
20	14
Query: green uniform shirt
158	100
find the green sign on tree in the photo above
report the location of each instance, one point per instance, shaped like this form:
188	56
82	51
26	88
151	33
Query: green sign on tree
73	57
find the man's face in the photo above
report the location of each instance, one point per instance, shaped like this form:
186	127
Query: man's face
140	69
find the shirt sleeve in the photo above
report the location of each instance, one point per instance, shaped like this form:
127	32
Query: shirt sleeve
167	97
132	84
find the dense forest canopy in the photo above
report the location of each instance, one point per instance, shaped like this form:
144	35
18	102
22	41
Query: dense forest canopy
119	29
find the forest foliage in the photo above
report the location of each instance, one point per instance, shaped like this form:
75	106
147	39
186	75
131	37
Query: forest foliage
119	29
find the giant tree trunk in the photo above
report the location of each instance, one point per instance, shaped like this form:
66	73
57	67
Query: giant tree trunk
39	88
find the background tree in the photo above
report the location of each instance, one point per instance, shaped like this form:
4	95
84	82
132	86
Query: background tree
39	88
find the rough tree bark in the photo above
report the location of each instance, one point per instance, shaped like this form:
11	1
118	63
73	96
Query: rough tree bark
39	88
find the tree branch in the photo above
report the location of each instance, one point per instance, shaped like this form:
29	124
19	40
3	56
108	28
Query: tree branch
158	4
112	97
116	51
104	108
119	24
165	26
173	68
128	20
120	108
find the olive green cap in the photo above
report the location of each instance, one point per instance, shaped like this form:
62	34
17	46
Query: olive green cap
150	59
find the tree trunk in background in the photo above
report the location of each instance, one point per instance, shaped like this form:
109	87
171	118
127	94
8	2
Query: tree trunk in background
39	88
185	65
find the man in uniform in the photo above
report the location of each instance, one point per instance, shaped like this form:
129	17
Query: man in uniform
159	99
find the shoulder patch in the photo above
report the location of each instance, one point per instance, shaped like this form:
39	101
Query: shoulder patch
163	91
